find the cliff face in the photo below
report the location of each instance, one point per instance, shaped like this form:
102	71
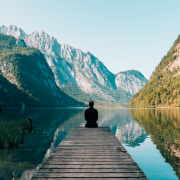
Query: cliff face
26	79
81	75
130	81
20	42
163	88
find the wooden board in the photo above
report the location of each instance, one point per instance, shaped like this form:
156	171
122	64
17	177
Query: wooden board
90	153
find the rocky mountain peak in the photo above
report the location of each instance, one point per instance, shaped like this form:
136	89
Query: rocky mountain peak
45	43
131	81
81	73
13	30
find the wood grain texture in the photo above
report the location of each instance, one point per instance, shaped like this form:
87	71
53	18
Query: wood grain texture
90	153
91	170
51	178
44	166
94	175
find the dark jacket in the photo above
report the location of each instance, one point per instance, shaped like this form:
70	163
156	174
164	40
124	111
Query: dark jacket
91	116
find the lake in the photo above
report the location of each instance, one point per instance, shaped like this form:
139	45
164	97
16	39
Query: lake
151	137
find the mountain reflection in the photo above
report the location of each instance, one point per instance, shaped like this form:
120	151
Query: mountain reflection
123	126
164	127
50	128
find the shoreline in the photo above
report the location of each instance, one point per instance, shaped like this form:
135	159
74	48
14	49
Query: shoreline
166	107
95	106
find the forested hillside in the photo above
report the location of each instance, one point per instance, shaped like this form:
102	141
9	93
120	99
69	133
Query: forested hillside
163	88
26	79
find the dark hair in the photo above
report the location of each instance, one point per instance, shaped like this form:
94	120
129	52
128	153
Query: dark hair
91	103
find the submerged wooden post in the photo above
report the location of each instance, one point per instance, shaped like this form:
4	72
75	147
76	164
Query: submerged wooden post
90	153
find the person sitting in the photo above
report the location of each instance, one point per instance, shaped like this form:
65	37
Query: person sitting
91	116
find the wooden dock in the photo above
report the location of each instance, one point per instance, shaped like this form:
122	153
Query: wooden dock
90	153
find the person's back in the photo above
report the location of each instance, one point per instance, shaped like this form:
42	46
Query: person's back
91	116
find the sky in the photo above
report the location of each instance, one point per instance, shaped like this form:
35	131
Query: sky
123	34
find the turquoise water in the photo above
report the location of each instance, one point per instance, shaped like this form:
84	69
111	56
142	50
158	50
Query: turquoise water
150	136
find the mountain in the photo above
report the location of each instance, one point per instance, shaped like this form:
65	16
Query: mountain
78	74
131	81
26	79
163	88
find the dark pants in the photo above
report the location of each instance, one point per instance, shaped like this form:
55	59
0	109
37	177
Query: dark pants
91	126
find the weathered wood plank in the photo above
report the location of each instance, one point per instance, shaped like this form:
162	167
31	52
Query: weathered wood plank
119	154
99	149
90	147
77	166
88	175
101	135
84	146
91	150
90	161
90	153
97	157
90	158
50	178
115	143
86	163
90	170
91	142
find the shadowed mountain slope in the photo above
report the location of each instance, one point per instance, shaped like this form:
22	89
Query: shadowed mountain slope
26	79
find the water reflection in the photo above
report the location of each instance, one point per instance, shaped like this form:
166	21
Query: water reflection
164	127
50	128
47	133
123	126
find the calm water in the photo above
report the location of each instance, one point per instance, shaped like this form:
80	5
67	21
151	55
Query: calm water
151	136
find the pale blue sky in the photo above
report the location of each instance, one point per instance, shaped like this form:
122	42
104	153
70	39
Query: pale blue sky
123	34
